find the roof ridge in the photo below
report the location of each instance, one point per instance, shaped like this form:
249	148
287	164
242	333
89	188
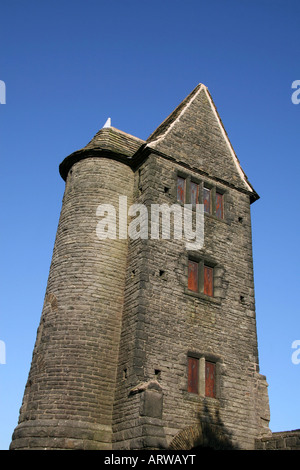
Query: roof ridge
166	126
170	120
126	133
105	132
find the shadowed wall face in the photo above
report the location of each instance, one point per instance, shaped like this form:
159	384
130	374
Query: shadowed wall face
72	378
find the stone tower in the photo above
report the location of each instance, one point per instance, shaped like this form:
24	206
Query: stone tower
143	343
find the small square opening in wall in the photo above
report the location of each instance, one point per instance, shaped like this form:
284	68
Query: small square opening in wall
162	274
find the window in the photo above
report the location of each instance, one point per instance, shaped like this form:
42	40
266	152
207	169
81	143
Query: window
210	379
193	375
194	199
208	283
207	200
181	189
219	205
193	276
213	201
200	277
190	190
202	376
187	190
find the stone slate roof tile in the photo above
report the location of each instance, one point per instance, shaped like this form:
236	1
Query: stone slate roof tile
113	139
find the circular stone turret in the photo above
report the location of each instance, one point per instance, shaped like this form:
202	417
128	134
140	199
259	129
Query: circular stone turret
69	394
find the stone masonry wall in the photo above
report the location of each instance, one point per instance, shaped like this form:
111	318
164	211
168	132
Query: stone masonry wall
164	322
286	440
69	394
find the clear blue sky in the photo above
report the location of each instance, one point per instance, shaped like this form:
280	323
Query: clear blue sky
69	65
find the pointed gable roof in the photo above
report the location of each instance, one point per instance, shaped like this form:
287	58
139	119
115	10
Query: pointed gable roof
194	134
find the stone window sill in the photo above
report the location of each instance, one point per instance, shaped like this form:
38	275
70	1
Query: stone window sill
214	217
199	398
201	296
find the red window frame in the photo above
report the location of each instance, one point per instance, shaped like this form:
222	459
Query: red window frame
194	193
208	282
193	276
219	205
193	375
181	189
210	379
207	200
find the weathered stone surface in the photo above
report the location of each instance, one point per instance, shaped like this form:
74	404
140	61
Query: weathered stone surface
74	362
286	440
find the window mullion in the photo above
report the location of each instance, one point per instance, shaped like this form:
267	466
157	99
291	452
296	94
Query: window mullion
213	200
201	276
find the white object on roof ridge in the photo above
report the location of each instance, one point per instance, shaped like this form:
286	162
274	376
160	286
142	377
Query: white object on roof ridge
108	123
